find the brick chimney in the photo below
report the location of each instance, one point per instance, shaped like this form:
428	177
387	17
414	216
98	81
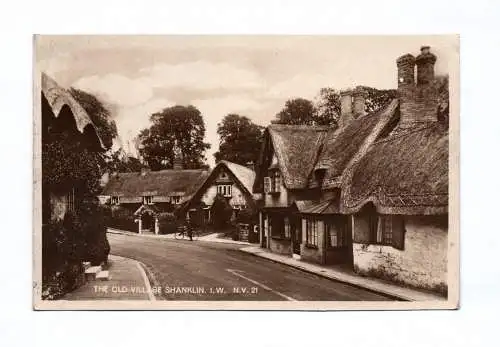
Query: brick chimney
345	108
359	97
417	101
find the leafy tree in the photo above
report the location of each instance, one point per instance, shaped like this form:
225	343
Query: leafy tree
99	114
377	98
181	124
240	140
296	111
443	98
119	161
327	107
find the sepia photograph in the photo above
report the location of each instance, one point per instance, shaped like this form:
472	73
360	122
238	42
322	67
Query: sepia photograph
246	172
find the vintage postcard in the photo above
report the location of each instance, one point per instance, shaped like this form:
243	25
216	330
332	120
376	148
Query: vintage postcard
246	172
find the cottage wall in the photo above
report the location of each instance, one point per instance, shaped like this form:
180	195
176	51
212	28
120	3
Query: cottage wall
278	199
237	197
422	263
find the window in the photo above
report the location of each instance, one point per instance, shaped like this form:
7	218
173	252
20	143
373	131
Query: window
70	200
224	190
175	200
312	232
147	200
275	181
335	234
115	200
272	184
386	230
287	228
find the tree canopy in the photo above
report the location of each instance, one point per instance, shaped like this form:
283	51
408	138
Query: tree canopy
119	161
325	110
99	114
296	112
240	140
181	124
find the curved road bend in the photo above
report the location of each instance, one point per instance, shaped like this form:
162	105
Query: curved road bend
216	271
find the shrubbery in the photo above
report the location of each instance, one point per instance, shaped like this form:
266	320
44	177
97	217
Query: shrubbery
167	223
121	218
79	237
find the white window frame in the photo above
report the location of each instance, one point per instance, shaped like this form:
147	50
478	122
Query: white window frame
115	200
175	200
147	200
225	190
312	232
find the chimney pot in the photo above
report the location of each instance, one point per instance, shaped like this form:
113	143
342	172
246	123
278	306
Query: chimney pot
425	66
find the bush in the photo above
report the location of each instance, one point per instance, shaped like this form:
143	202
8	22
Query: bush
167	223
121	218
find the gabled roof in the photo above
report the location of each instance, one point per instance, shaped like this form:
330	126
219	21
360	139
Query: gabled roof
243	176
158	183
296	147
405	173
58	97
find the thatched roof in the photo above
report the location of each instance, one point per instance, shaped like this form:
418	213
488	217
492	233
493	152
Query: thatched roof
58	97
296	147
157	183
342	145
404	173
245	175
242	176
302	149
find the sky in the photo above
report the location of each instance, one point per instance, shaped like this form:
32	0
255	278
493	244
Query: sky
249	75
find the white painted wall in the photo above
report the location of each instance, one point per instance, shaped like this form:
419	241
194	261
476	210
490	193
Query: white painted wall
237	198
422	263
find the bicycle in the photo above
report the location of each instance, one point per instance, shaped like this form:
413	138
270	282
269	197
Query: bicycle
183	233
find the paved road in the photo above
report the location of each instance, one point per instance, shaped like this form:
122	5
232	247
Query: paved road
213	271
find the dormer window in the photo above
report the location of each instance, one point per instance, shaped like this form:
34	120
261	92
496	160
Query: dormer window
175	200
147	200
319	175
115	200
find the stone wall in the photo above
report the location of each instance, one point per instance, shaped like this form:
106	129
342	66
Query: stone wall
422	263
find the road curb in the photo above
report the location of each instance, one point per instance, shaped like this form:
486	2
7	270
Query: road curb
357	285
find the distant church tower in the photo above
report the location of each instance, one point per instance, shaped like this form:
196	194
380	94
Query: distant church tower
178	157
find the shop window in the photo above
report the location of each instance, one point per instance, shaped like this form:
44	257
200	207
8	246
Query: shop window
311	232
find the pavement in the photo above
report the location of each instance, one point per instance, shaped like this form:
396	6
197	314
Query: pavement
213	237
185	270
127	281
345	276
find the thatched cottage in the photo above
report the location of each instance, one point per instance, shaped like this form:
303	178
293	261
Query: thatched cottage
300	172
148	193
62	118
398	192
232	181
